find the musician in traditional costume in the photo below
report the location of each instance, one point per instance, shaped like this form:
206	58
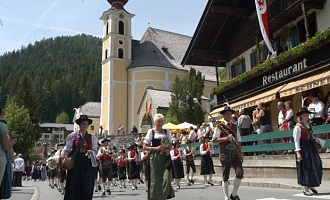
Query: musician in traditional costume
145	166
105	157
228	136
52	167
207	167
97	172
157	142
134	169
83	147
189	153
309	164
177	157
61	173
122	163
114	166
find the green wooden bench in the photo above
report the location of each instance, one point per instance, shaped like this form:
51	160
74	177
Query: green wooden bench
277	135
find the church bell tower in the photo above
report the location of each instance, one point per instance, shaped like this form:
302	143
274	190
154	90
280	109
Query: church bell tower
116	57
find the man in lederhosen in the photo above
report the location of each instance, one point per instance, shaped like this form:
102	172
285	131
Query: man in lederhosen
97	172
134	169
105	157
189	153
229	139
52	167
61	173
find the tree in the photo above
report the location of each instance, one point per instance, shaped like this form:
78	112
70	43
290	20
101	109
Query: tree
20	126
26	96
222	74
62	118
182	106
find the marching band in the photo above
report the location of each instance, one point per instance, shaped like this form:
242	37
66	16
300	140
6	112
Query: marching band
132	164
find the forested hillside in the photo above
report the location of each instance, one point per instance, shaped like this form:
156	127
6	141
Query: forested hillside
65	73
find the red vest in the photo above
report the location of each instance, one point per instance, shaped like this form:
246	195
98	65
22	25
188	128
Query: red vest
176	153
304	133
122	162
132	156
205	146
87	145
231	127
105	157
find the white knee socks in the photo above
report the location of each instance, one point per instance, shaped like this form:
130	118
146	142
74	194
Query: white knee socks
237	183
225	189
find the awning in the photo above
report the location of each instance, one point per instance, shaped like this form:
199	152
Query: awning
307	83
266	96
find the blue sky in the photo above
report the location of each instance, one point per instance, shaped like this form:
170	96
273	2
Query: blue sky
26	21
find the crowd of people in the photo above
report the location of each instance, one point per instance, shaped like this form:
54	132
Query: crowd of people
83	165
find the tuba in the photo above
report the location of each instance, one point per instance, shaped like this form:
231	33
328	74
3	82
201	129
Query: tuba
52	164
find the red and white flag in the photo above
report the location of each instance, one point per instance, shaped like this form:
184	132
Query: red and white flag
262	12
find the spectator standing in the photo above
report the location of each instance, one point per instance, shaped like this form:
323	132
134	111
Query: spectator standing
134	129
192	134
264	118
18	170
317	110
281	114
244	123
4	145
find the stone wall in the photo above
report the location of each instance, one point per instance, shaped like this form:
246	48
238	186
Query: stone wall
123	141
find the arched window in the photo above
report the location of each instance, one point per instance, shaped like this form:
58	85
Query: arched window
120	53
106	54
121	28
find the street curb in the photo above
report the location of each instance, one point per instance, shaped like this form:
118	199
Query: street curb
36	194
254	184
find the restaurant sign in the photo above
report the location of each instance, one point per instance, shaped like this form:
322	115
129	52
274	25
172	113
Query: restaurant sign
280	74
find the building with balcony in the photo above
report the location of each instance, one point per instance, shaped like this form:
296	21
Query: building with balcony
228	36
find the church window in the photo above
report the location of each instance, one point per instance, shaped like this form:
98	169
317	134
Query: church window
106	54
120	53
121	42
121	28
150	87
107	29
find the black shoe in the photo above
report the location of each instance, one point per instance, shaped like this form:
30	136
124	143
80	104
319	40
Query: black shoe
192	181
109	192
99	187
235	197
103	193
307	193
136	187
210	183
313	190
142	181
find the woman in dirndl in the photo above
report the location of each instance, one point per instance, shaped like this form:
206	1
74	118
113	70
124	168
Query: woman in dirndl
308	161
160	173
177	156
207	168
80	179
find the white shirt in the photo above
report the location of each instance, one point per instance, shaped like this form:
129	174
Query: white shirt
289	114
192	136
244	121
148	138
173	157
280	118
19	165
317	107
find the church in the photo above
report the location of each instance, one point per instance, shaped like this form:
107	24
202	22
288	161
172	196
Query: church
137	75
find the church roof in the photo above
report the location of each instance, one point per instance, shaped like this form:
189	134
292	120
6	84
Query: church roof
165	49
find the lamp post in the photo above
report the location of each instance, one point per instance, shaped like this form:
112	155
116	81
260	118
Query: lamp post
197	102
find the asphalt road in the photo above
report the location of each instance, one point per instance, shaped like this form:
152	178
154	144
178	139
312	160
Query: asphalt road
196	192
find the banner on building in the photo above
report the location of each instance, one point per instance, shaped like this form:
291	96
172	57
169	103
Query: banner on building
262	13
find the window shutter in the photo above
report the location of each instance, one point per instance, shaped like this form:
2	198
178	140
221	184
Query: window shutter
294	36
253	59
